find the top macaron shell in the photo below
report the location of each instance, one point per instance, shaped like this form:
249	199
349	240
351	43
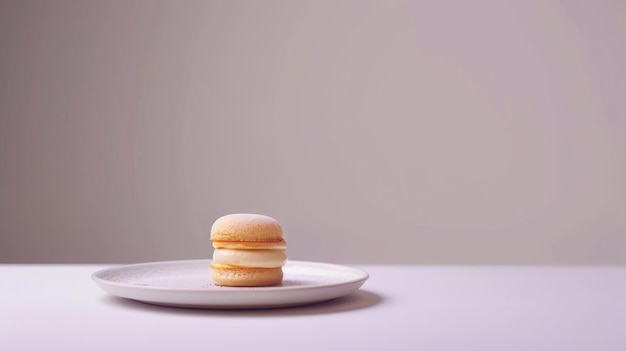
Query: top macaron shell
246	227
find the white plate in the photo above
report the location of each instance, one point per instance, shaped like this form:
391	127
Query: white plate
188	284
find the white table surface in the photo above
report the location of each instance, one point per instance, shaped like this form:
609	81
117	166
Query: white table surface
53	307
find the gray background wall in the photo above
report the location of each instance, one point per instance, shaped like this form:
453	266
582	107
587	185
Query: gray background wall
375	131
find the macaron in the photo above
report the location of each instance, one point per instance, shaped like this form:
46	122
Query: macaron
249	250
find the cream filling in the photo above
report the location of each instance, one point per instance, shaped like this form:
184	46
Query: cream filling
250	258
250	245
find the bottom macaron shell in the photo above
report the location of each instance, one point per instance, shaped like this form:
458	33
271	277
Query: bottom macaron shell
226	275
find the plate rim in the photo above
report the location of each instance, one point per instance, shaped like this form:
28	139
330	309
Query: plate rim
361	277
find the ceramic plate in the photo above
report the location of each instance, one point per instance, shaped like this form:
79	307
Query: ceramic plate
188	284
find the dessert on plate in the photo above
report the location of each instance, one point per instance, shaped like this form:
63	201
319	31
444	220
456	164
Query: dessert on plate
249	250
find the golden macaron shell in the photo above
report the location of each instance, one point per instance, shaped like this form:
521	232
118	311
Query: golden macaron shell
225	275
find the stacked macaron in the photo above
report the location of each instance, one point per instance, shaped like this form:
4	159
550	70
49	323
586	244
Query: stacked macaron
249	250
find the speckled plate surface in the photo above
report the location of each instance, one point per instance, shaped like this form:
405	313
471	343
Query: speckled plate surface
188	284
